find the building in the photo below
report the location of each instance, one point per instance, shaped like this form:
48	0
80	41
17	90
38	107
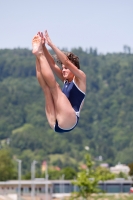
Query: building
120	168
57	188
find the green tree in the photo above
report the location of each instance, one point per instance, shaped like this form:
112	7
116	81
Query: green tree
122	175
87	179
103	174
54	174
69	173
7	167
131	169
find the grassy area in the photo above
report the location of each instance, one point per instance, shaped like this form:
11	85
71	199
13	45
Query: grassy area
113	197
93	197
62	157
109	197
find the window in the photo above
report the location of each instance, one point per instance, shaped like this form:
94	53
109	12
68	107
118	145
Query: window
113	188
56	188
126	187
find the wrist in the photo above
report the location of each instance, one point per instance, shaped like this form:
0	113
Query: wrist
52	45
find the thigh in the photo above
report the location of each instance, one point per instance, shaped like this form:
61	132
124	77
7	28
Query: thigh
65	113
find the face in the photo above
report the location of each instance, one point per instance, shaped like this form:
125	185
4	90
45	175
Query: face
67	74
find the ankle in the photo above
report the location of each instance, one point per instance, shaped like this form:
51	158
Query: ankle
40	54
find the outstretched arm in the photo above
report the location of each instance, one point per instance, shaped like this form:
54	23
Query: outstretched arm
50	59
52	63
63	58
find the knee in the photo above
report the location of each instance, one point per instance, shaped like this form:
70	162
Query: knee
38	76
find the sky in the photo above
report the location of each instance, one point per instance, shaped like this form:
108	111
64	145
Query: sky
105	25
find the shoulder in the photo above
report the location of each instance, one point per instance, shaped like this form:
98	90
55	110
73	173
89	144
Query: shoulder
82	75
81	82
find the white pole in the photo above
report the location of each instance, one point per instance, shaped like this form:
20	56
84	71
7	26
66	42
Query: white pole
63	176
74	185
46	185
33	179
19	178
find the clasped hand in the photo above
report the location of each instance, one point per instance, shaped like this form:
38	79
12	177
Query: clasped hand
45	38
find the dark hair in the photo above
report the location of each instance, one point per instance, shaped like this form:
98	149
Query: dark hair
73	58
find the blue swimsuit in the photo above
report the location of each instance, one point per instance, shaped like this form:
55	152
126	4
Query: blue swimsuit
76	97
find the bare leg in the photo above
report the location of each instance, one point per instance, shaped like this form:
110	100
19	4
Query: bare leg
49	104
65	114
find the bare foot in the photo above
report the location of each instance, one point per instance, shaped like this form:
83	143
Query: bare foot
37	45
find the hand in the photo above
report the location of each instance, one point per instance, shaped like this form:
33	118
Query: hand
42	37
47	38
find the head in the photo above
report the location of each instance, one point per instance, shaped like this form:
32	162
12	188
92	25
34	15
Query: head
67	74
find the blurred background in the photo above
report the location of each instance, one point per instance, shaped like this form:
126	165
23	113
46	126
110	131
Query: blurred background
101	34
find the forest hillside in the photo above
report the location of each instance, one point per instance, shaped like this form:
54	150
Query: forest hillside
106	122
